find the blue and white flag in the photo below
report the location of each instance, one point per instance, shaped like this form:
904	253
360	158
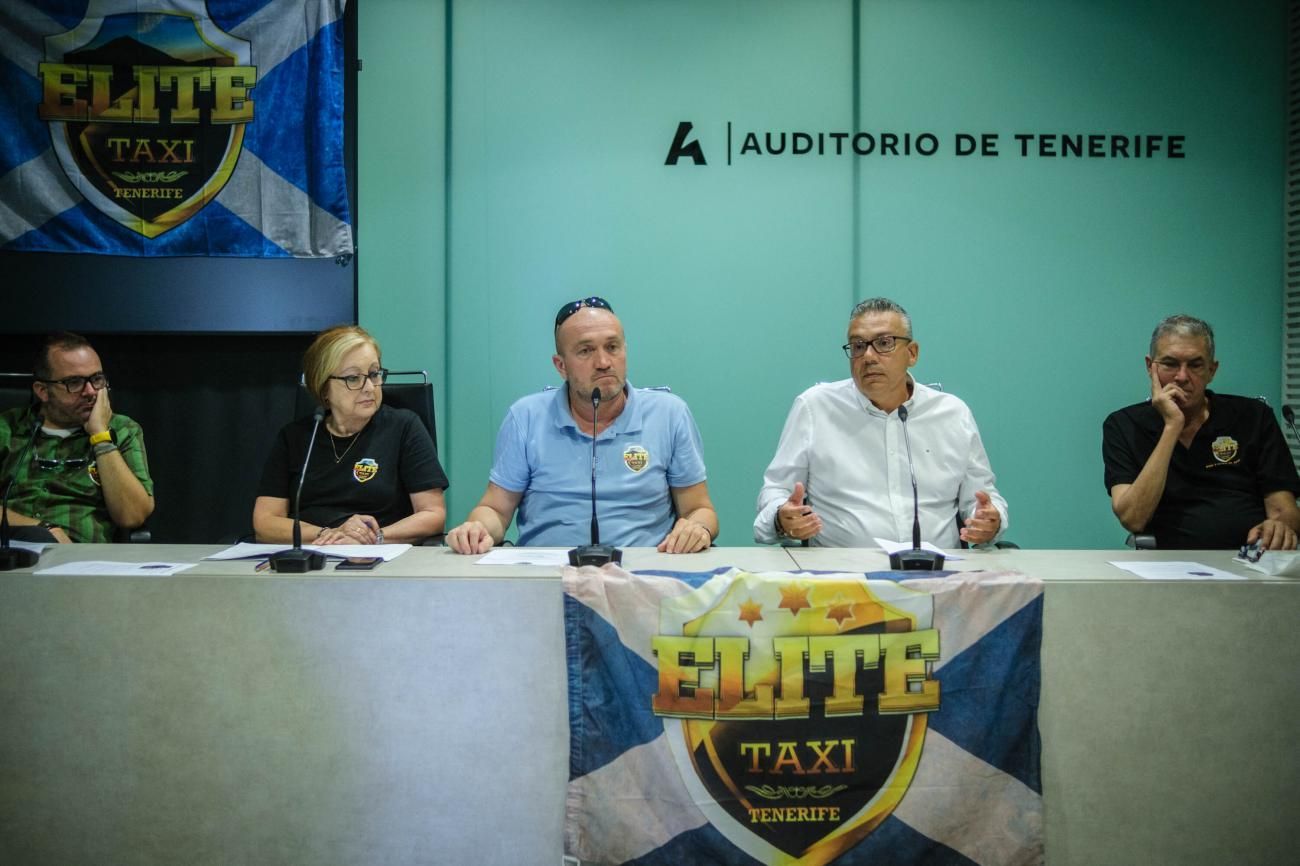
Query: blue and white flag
173	128
777	718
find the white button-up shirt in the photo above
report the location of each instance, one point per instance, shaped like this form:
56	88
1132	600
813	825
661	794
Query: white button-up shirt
852	459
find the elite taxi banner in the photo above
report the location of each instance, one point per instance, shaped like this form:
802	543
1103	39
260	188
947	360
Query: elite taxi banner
173	128
739	718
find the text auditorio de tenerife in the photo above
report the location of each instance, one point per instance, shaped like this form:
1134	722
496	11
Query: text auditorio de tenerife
1023	144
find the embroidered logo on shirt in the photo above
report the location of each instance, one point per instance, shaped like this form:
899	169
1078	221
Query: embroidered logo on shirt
365	469
93	471
1224	448
636	458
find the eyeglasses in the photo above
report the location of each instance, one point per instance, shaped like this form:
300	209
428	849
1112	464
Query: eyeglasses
357	381
883	345
75	384
1196	366
51	463
573	306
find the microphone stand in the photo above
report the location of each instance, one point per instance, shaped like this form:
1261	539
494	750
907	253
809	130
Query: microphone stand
915	559
594	553
16	557
296	560
1289	415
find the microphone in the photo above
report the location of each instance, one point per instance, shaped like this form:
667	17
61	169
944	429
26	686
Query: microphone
594	553
16	557
595	521
915	559
1289	416
296	560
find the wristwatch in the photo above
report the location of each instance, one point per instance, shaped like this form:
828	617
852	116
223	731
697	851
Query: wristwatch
105	436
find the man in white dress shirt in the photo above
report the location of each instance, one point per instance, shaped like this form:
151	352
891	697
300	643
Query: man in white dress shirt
840	474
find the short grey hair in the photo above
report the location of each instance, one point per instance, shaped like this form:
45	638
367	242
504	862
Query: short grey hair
881	305
1183	326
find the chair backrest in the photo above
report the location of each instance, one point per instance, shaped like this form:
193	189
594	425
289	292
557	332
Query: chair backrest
15	390
415	396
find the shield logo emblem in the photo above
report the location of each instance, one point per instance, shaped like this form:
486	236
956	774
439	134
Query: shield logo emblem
636	458
365	469
147	113
93	471
1224	448
796	710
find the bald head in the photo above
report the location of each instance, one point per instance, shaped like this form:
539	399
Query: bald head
582	323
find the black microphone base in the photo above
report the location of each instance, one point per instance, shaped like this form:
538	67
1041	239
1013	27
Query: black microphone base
595	554
17	557
296	561
916	560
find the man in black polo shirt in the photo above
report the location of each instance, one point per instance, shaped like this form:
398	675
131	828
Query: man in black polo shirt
1196	469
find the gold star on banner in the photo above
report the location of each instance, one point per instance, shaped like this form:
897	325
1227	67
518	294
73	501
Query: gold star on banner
751	612
840	610
794	597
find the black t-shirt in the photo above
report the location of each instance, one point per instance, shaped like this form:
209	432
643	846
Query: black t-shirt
1215	489
375	473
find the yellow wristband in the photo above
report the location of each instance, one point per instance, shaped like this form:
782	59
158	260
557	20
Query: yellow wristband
106	436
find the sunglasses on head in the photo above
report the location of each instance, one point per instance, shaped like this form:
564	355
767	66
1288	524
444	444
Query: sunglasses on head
573	306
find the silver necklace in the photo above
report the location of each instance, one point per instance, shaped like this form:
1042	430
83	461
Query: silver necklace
338	458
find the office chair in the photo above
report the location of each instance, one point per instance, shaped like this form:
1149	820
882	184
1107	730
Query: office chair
15	390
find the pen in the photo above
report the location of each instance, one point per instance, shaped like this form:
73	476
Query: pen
262	566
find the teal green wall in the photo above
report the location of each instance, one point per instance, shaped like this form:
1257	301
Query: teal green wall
401	185
1033	283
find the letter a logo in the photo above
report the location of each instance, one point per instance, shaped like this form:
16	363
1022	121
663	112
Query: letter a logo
680	148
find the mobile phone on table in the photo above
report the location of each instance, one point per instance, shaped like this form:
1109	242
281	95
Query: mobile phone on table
359	563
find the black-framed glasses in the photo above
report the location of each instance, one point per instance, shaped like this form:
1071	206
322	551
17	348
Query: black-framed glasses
357	381
1195	367
883	345
75	384
573	306
49	464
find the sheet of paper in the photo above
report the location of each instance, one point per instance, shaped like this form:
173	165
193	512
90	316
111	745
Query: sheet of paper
248	550
896	546
1281	563
33	546
1175	570
386	552
556	556
99	568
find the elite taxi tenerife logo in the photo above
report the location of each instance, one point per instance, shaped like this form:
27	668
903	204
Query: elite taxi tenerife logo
365	469
796	709
147	113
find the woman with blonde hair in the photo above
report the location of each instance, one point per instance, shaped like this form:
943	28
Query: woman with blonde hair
374	475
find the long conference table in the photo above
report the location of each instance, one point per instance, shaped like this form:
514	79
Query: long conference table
417	713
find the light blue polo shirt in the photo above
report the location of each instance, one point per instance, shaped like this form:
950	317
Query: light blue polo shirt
652	446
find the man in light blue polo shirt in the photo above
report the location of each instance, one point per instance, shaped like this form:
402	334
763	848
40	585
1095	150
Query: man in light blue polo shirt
650	478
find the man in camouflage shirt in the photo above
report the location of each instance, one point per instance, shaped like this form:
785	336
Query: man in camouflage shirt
87	474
